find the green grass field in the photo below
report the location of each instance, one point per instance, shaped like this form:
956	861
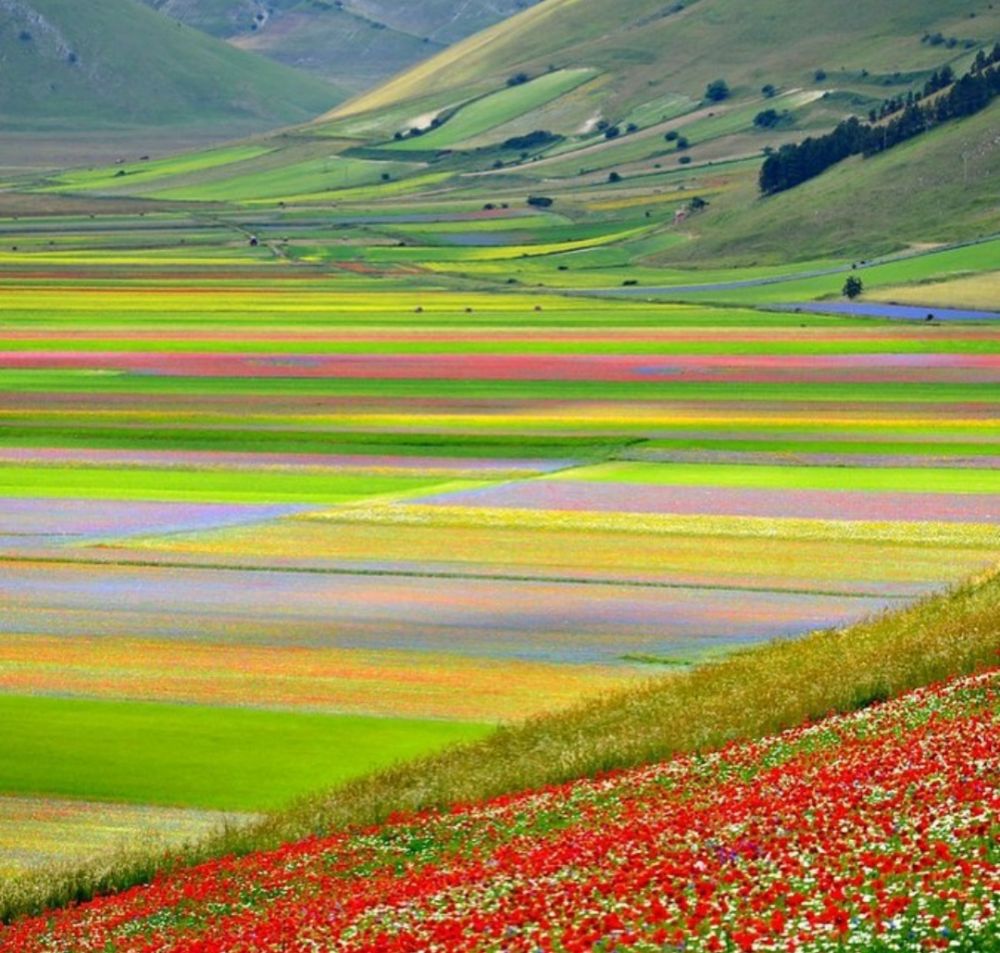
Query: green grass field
198	756
496	109
904	480
196	485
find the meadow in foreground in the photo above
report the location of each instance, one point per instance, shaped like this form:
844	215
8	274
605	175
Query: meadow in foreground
871	831
749	695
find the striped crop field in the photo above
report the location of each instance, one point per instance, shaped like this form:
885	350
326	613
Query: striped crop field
251	492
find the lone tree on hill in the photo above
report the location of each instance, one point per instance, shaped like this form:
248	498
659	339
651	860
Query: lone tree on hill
853	287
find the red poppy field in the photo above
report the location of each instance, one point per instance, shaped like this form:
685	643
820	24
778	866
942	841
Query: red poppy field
871	831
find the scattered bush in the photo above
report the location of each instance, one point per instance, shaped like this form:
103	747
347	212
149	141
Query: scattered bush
717	91
853	287
767	119
533	140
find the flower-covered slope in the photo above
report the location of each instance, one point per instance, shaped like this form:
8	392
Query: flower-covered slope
876	831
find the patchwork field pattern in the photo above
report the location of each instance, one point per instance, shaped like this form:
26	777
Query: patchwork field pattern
273	483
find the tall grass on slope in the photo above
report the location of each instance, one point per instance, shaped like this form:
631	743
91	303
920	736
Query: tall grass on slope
748	695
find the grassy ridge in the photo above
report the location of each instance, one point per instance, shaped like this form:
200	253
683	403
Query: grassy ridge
756	693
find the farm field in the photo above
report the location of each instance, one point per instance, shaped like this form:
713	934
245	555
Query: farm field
381	512
498	512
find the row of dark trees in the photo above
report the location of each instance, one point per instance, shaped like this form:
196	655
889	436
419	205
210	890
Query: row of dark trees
796	163
940	79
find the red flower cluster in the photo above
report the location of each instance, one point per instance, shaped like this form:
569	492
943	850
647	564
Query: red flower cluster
873	831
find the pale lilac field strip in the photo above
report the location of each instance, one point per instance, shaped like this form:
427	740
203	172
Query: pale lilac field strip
728	501
37	520
898	311
563	622
236	460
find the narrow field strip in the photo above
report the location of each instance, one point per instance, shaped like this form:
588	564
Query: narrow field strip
886	479
388	683
40	832
568	620
194	485
610	496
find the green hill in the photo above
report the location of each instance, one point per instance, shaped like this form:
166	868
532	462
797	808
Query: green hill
120	65
646	48
355	43
940	187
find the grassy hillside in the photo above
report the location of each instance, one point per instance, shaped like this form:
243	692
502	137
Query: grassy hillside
632	135
355	43
940	187
120	64
650	49
748	695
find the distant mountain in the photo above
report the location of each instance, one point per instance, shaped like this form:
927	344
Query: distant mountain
354	43
116	64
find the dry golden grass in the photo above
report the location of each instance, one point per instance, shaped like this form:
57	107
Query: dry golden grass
974	291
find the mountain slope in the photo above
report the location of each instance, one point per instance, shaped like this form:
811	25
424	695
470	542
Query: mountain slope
355	43
647	47
119	64
940	187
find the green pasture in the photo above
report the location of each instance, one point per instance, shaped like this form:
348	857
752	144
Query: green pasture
739	118
208	485
884	479
496	109
660	110
198	756
323	174
214	435
934	265
439	253
233	311
217	433
86	382
125	176
935	445
711	345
